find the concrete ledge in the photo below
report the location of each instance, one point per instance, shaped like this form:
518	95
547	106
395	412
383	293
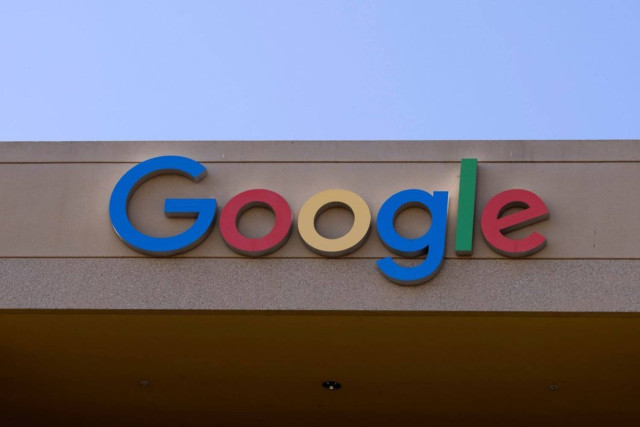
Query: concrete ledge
322	151
317	284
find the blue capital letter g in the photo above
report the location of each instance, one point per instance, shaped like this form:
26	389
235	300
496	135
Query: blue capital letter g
204	210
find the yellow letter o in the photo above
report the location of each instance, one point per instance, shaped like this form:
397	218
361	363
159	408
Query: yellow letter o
328	199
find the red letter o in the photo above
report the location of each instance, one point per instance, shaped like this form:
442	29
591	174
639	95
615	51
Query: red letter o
263	245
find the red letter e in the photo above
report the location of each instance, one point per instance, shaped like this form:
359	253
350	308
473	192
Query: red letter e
494	225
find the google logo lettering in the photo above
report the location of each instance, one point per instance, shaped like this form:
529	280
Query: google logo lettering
495	222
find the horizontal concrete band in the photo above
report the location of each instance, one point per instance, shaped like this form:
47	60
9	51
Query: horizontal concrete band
347	284
323	151
61	210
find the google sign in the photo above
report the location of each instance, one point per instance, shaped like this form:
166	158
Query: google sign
495	222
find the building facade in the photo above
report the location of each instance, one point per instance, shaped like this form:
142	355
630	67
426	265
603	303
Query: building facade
95	330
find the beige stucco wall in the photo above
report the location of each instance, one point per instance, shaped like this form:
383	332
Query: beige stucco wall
58	250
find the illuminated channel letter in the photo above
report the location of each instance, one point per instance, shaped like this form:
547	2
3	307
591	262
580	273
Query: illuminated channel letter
328	199
204	210
494	224
466	206
264	245
432	242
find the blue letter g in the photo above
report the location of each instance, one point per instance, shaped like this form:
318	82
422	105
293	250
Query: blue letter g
204	210
432	243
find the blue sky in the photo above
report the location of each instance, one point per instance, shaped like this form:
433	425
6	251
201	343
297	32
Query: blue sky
146	70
